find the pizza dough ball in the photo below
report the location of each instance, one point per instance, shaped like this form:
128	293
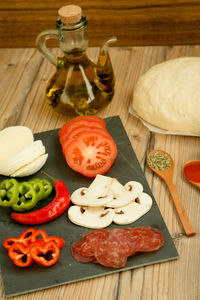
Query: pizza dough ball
168	95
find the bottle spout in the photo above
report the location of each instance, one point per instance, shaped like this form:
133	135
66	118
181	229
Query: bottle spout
104	69
106	44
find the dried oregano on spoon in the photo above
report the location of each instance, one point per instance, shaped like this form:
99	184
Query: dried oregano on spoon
159	161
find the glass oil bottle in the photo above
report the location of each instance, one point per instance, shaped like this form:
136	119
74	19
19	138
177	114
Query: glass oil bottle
79	86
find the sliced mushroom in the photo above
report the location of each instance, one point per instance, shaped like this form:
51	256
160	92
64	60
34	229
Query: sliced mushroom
97	194
133	210
122	195
91	217
134	187
78	194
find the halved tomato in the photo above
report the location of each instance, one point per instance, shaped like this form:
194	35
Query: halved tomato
91	153
82	120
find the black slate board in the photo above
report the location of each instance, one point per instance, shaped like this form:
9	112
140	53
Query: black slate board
125	168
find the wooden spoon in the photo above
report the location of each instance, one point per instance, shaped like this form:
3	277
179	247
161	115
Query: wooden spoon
191	171
167	175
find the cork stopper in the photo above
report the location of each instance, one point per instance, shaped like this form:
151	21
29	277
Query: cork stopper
70	14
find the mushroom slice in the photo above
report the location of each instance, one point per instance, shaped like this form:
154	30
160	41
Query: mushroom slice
91	217
133	211
134	187
77	195
122	195
97	194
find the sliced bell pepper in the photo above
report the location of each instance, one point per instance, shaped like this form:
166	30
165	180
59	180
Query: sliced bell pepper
27	198
48	187
60	242
20	255
9	242
45	254
53	210
9	190
39	233
24	238
39	189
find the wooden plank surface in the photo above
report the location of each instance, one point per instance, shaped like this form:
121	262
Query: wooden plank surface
24	75
146	22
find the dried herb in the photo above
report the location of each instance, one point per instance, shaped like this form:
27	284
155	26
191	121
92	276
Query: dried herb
159	161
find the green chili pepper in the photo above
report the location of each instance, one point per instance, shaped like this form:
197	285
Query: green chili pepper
9	190
27	198
48	187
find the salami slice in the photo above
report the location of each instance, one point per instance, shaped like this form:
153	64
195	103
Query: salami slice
92	240
111	253
111	248
152	238
76	250
123	238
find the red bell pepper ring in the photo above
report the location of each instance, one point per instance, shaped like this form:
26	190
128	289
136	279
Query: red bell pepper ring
60	242
24	238
20	255
45	254
9	242
39	233
53	210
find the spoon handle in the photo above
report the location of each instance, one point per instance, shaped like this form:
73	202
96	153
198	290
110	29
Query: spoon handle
189	230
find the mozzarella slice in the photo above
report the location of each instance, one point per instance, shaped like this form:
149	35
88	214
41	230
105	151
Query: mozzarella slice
90	217
32	167
133	211
22	158
13	139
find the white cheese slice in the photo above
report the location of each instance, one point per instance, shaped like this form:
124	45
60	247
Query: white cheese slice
32	167
13	139
22	158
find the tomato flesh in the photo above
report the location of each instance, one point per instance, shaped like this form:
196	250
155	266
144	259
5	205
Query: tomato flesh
82	120
75	132
91	153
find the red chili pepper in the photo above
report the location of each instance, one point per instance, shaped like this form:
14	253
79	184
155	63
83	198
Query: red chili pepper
53	210
24	238
45	254
20	255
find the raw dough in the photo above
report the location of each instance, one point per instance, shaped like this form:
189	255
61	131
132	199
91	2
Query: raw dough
168	95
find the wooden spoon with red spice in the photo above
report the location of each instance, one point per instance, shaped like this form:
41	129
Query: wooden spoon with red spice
162	164
191	171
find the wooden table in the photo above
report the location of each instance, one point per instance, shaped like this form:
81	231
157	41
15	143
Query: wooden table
24	75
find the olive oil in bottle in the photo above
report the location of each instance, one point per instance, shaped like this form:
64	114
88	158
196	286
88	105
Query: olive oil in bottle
79	87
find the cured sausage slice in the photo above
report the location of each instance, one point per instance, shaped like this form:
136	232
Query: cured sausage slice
76	250
152	238
92	240
111	248
111	253
124	241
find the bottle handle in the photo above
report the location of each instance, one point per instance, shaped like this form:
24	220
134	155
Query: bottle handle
41	44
